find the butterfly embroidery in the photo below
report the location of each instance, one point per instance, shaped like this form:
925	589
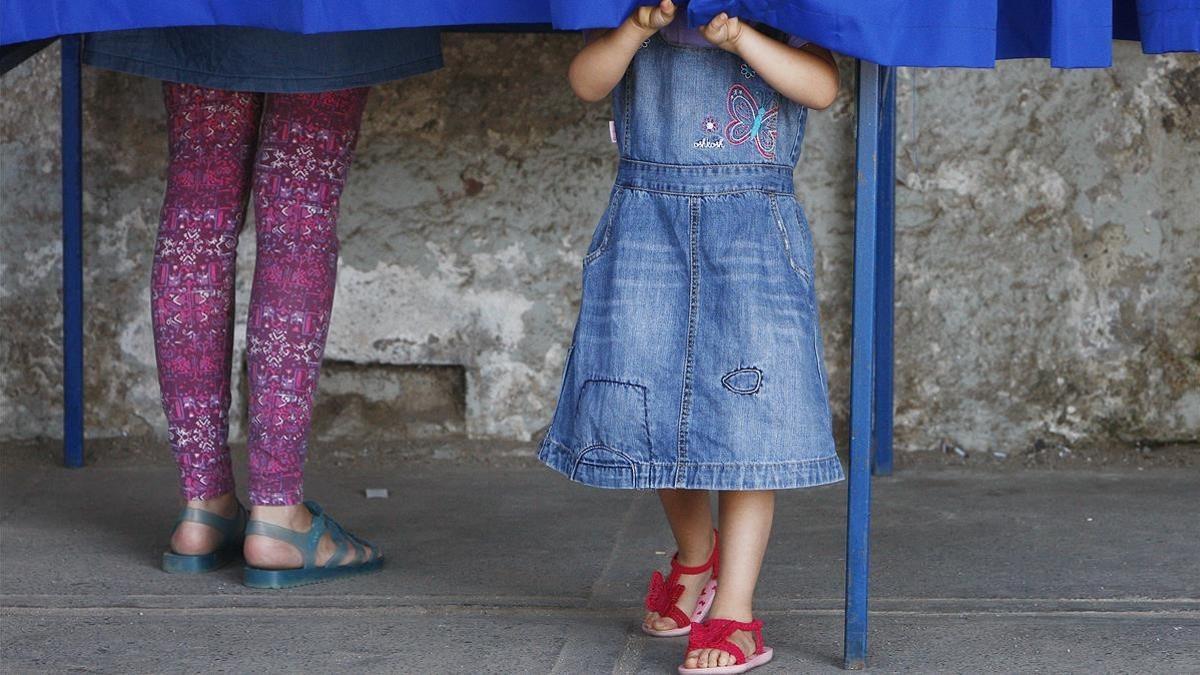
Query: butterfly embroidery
752	121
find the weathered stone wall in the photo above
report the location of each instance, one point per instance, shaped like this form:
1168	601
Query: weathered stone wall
1048	237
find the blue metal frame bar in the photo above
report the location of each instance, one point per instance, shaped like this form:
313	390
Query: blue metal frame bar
862	363
72	249
885	274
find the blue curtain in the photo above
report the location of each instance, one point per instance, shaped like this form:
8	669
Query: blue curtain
971	33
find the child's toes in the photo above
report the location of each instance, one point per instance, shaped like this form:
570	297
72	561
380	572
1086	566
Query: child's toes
725	659
662	623
692	660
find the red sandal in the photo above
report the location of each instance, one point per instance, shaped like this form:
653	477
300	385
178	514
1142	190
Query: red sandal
664	593
715	634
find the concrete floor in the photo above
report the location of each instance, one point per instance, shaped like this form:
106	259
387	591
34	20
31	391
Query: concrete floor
508	568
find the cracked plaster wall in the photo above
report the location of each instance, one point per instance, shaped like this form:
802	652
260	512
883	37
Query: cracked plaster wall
1048	227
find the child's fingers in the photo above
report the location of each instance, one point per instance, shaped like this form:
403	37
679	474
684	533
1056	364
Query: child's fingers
665	12
716	29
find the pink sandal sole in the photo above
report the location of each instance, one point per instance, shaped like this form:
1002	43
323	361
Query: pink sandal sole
703	604
758	659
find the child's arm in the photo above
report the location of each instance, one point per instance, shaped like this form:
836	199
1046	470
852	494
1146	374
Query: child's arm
602	63
806	75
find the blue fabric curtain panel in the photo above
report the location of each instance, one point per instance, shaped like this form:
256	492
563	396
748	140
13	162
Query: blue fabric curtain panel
929	33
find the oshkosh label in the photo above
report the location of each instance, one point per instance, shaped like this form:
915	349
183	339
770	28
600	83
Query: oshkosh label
709	143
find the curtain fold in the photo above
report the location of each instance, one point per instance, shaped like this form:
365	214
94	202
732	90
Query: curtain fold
929	33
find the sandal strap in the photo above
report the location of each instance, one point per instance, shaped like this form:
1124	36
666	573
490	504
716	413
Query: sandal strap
714	634
304	542
661	597
228	527
345	542
711	563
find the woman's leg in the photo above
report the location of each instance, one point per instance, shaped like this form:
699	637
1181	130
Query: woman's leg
690	516
305	148
745	519
211	135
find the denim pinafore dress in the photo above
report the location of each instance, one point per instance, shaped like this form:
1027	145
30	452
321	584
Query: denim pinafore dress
697	360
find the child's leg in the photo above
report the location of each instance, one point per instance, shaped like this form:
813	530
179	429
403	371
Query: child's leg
211	139
305	149
745	521
690	516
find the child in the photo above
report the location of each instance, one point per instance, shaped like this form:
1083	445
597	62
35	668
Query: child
696	363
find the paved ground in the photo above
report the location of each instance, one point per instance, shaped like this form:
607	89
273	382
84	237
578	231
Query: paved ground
507	568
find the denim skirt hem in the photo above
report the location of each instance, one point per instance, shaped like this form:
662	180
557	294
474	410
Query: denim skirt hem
605	468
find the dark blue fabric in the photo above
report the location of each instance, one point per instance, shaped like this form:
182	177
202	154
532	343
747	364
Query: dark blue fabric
254	59
1071	33
22	20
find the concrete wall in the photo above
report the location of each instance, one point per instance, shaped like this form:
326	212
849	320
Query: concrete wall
1048	228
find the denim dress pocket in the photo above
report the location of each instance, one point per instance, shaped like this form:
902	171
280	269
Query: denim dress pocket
603	236
794	235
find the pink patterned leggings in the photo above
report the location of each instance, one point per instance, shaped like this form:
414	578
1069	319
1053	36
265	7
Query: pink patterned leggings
291	151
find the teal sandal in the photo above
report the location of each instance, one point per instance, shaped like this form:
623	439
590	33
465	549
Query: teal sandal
306	543
232	530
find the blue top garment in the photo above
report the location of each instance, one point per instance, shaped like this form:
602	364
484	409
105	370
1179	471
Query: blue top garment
973	33
254	59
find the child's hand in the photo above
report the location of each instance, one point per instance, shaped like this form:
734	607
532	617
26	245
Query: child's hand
723	31
654	19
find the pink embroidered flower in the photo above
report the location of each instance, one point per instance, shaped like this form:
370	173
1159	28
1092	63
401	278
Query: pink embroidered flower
710	124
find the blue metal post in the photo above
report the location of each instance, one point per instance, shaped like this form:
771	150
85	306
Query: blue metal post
72	244
862	362
885	273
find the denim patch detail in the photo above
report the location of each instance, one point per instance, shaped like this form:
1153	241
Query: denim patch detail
745	381
615	415
603	464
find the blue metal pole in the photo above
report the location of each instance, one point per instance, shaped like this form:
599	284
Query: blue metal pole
862	361
72	244
885	273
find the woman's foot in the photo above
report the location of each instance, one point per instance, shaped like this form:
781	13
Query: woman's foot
272	554
194	538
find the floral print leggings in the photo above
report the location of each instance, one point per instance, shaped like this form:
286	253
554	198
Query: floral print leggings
291	153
